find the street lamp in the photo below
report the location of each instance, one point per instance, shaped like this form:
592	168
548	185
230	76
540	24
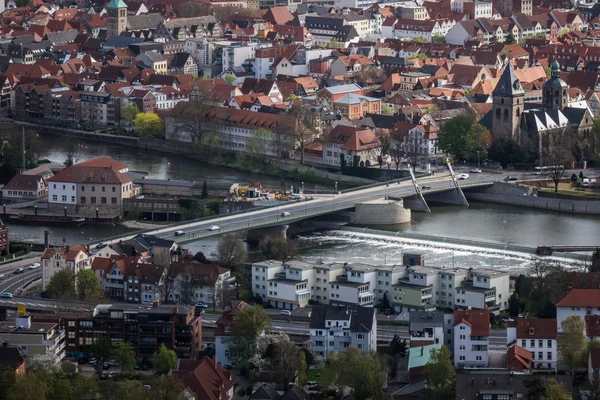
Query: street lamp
386	188
478	159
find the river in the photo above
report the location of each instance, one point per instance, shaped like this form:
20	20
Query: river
481	221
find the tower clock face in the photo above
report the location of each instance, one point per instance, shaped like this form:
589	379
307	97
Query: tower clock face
517	85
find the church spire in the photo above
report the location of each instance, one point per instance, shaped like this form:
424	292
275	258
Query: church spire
508	85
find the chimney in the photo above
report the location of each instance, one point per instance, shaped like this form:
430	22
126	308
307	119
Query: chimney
175	310
422	350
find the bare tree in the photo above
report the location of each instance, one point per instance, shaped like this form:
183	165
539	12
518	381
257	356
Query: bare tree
187	285
193	117
222	295
396	150
304	125
71	153
412	151
166	288
556	151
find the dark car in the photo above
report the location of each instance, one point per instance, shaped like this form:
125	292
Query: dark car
106	365
512	178
83	360
144	367
45	294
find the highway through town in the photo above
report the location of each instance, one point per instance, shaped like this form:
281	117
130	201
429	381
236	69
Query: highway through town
321	204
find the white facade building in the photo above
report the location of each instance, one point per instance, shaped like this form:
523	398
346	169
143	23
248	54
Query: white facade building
73	258
579	302
484	289
471	338
537	336
337	328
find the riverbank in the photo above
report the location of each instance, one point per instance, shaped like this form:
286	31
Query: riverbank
525	196
272	167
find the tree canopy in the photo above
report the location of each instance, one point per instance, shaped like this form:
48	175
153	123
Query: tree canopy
571	343
507	151
277	248
462	137
88	284
231	251
148	125
439	374
124	356
62	285
128	114
164	360
248	324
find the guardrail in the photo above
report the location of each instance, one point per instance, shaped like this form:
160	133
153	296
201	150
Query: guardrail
374	185
274	220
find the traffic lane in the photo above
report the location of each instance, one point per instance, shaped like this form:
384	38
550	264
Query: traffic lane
260	216
19	280
18	264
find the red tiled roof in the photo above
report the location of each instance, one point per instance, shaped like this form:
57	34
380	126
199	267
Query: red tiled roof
536	328
103	161
227	317
478	320
208	379
83	174
68	255
581	298
517	354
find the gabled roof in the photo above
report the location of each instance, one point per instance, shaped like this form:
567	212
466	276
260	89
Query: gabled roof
208	379
23	182
478	320
103	161
536	328
68	253
581	298
11	356
227	317
520	356
361	319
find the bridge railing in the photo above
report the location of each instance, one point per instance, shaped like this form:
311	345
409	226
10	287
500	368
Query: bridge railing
374	185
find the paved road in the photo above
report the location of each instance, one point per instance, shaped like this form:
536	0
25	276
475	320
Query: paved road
13	282
302	209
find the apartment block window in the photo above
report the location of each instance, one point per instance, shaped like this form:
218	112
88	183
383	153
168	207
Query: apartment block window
360	336
93	200
331	344
523	343
540	343
549	355
114	189
549	343
64	198
532	343
54	197
462	348
462	337
103	189
478	358
462	358
113	200
93	188
72	199
103	200
540	356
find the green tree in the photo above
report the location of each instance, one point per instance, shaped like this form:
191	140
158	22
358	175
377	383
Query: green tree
438	39
507	151
302	369
124	356
361	372
420	39
8	378
62	285
510	38
514	305
102	349
463	137
572	342
201	258
167	388
277	248
164	360
204	194
88	284
231	251
439	374
85	388
595	261
385	302
546	389
27	387
128	114
248	324
398	346
386	110
123	390
228	79
147	125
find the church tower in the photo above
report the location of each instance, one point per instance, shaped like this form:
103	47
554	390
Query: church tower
554	92
508	105
116	22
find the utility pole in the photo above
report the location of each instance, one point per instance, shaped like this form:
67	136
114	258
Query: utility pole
23	137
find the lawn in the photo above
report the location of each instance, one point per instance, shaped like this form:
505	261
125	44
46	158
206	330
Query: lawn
573	193
315	374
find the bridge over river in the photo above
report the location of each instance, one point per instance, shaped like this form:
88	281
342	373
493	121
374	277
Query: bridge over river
440	189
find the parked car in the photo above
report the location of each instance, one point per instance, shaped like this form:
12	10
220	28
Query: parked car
476	171
463	176
585	182
286	214
34	266
179	233
425	187
213	228
6	295
18	271
101	245
512	178
286	312
1	277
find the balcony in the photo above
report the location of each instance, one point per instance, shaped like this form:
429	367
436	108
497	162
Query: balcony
54	339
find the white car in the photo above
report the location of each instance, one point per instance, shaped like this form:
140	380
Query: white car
286	214
213	228
463	176
286	312
179	233
34	266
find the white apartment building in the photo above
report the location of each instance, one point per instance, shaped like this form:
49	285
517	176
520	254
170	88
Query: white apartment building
471	338
422	139
337	328
355	286
427	327
450	279
579	302
537	336
74	258
484	289
36	340
293	286
240	54
324	275
418	291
